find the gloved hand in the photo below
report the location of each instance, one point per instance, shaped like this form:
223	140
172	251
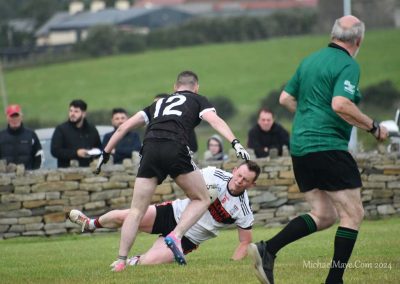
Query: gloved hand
104	157
240	151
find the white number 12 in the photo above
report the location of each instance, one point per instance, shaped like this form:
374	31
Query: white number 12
171	102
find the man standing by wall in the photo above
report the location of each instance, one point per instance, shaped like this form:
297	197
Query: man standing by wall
73	139
267	134
323	93
129	143
18	144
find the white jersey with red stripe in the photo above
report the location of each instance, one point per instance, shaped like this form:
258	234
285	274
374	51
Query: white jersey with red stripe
227	209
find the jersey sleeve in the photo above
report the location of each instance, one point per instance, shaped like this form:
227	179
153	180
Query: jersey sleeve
146	114
347	83
292	87
208	175
205	105
245	222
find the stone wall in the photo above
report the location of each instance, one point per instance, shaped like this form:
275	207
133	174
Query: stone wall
35	203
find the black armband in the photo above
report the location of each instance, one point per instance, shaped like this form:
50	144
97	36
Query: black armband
234	142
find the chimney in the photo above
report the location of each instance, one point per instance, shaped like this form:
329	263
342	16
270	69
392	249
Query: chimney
122	4
97	5
75	7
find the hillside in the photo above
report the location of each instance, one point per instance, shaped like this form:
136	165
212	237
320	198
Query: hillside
245	72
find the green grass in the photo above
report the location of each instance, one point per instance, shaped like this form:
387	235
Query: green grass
85	259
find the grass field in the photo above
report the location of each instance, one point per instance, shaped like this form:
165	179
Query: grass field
85	259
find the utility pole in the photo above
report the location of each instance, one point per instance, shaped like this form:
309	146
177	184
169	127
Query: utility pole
346	7
3	91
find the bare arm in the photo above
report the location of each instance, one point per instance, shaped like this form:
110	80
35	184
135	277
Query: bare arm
349	112
288	101
219	124
135	121
245	238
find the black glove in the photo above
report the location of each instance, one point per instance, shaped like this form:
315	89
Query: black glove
104	157
240	151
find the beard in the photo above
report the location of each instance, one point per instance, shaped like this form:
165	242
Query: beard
76	120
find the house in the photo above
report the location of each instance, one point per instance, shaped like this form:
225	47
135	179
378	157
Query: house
67	28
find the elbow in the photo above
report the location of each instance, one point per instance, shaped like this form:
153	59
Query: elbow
338	104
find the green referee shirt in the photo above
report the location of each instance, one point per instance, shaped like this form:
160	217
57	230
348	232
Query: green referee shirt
329	72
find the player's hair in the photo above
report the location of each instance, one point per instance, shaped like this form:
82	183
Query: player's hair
265	109
253	167
78	104
187	78
118	110
348	34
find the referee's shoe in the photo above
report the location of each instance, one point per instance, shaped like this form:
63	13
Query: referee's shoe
263	262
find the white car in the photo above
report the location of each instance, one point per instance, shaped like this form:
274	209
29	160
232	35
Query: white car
45	134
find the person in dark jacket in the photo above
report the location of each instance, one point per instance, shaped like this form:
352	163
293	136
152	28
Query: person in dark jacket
129	143
19	145
267	135
75	139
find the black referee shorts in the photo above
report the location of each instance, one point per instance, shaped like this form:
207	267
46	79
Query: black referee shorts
164	157
327	170
165	223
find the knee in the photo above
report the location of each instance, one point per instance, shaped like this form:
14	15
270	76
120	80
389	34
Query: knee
358	213
325	219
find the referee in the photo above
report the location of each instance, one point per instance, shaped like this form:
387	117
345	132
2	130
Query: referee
165	152
323	94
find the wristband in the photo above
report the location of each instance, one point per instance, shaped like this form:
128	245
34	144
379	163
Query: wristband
375	126
234	142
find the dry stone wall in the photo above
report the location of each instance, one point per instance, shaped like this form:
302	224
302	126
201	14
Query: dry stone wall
36	203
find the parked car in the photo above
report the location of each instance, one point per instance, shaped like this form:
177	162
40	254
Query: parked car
45	134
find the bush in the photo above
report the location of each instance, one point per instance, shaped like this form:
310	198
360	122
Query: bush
224	106
383	96
101	40
99	117
271	101
130	43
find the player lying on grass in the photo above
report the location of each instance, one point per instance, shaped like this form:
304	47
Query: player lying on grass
231	206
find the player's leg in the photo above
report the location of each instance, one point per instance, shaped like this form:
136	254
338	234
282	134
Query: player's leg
157	254
112	219
142	194
194	186
349	207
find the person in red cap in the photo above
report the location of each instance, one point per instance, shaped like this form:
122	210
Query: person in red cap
19	145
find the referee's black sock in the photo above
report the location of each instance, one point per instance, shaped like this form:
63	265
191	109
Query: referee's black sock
299	227
344	242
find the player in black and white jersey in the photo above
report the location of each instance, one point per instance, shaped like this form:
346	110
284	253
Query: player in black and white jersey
165	152
231	206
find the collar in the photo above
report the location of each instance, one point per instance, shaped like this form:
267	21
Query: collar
15	131
334	45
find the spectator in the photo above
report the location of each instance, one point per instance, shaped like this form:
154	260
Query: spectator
19	145
267	135
129	143
192	135
73	139
215	149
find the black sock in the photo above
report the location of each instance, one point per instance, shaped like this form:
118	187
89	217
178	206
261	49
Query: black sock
344	242
299	227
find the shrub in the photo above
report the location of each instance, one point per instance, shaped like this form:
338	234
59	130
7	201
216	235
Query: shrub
224	106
